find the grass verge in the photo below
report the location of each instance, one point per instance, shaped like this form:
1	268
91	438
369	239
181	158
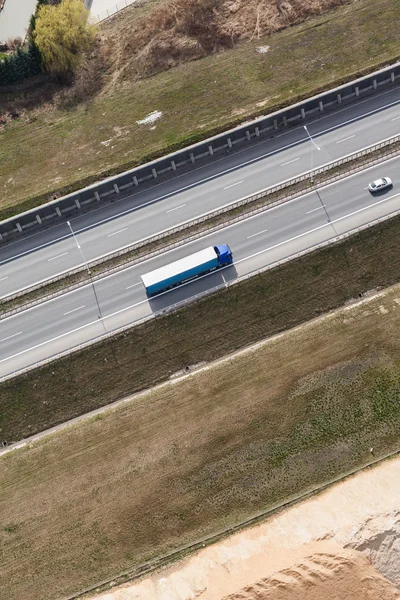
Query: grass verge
52	150
202	453
206	330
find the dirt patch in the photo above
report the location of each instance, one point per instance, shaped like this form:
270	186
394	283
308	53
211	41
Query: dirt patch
199	454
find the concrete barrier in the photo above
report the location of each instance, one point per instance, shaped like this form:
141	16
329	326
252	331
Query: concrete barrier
170	166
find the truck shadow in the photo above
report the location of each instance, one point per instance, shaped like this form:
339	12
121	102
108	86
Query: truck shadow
196	287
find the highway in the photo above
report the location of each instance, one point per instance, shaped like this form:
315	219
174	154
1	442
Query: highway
38	257
73	318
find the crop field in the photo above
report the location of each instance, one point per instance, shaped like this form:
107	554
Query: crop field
50	147
201	453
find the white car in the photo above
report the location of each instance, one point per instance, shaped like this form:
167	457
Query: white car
380	184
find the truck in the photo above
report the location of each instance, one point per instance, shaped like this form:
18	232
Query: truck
187	268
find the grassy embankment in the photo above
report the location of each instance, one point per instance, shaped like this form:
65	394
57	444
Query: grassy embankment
54	149
206	330
205	452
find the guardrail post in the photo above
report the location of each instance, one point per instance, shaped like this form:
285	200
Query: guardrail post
38	219
248	135
375	84
97	195
173	165
357	90
392	76
1	237
303	113
257	132
154	173
58	211
276	123
116	188
229	143
77	203
210	149
19	228
321	105
135	180
339	98
284	119
192	157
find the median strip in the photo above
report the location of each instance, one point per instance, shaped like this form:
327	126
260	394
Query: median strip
196	228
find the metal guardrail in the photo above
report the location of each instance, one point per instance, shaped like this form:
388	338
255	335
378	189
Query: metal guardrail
247	200
195	297
183	160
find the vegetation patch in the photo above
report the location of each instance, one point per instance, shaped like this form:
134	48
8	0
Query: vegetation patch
58	141
200	454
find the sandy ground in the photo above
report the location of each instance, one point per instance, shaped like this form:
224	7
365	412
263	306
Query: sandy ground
341	545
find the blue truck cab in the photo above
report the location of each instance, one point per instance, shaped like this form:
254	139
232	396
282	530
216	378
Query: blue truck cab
224	254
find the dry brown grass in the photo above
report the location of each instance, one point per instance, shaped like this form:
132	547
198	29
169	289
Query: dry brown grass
177	31
198	455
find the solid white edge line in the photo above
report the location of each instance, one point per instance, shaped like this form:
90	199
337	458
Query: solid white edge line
211	177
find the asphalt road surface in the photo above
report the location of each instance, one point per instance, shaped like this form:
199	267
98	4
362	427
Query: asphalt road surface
280	232
50	252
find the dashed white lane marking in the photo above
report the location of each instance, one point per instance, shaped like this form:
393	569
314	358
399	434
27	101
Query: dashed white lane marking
176	208
395	119
11	336
58	256
259	233
134	285
289	161
74	310
232	185
314	209
4	278
345	139
116	232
